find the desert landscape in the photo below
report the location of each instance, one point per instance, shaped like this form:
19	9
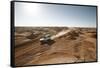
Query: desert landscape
54	45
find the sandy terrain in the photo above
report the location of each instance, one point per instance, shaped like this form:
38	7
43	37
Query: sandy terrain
69	45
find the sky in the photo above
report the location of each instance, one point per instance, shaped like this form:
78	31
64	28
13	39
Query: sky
36	14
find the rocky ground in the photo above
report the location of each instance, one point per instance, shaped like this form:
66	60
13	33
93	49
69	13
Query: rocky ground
69	45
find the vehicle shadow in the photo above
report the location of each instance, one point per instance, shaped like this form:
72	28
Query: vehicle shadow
50	42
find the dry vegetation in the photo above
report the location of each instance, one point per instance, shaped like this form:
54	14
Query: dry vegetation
77	45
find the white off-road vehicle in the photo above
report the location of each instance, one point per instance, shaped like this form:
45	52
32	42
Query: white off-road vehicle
45	39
